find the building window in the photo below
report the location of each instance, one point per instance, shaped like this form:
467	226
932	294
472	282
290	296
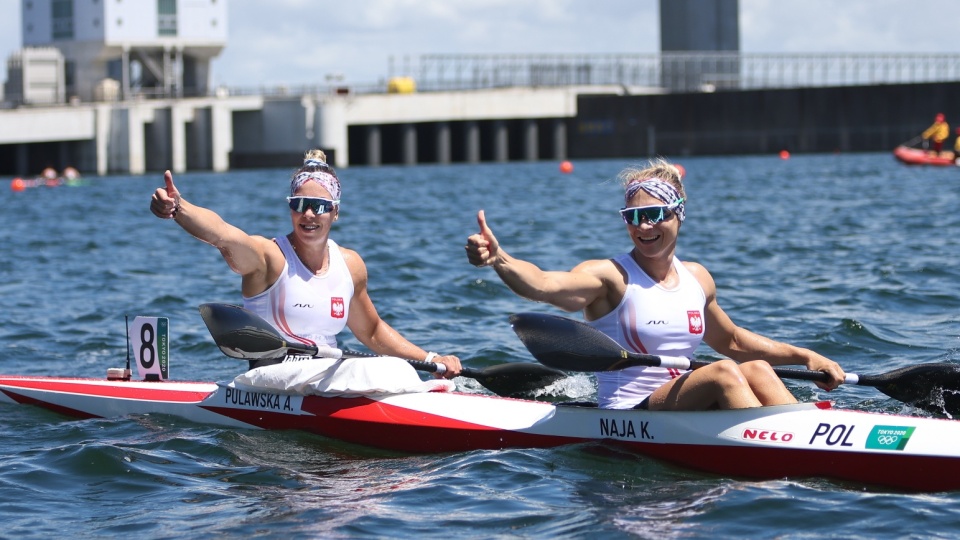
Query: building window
62	13
167	17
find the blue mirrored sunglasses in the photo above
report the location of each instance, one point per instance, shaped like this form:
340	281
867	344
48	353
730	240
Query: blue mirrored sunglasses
654	214
317	204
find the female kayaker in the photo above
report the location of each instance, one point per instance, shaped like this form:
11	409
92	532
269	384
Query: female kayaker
651	302
305	284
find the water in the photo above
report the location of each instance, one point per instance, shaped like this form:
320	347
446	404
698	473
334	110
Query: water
851	255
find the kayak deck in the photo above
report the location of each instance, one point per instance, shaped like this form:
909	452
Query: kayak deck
788	441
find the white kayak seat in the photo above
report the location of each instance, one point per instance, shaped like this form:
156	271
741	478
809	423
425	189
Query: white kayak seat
350	377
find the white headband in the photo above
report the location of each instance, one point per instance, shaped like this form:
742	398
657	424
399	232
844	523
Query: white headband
322	174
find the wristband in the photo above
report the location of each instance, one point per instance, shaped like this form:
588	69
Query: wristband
430	356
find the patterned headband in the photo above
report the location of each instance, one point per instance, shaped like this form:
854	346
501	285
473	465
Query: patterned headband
659	189
324	176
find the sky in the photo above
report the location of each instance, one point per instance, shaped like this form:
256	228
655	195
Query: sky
306	42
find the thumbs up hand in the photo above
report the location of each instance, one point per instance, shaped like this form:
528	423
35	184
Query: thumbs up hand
482	248
165	202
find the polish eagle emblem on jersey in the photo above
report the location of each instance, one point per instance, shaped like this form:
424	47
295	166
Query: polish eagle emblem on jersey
336	307
695	320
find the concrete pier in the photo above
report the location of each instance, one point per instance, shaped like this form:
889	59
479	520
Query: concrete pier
219	133
517	124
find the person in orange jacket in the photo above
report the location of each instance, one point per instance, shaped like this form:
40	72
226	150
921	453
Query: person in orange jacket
937	133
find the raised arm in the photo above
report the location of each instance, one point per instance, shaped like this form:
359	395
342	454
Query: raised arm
245	254
571	291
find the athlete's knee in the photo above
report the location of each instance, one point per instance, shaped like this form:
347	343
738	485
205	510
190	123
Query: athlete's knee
758	371
727	374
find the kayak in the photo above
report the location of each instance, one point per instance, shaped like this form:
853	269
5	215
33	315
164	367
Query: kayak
786	441
918	156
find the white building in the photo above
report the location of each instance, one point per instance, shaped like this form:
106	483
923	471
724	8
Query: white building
151	47
35	76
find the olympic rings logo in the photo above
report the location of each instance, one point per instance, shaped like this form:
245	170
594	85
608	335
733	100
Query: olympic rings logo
888	440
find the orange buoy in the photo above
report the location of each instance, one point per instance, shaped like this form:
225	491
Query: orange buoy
784	154
566	167
683	172
17	184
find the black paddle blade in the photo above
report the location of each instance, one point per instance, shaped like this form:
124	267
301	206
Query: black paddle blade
931	387
567	344
243	334
516	379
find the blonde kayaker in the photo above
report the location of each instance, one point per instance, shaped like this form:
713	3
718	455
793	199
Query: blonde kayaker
305	284
651	302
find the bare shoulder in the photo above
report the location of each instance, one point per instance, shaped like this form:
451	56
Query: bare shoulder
267	246
354	263
263	241
695	268
702	275
349	255
601	268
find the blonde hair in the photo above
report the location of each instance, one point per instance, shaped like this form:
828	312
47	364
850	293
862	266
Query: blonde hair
315	153
657	168
315	169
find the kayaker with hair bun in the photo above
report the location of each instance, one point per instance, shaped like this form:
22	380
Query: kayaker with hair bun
304	284
650	302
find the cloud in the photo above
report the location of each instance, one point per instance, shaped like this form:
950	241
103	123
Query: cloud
298	42
271	44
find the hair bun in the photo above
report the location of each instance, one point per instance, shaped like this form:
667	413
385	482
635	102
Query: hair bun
315	157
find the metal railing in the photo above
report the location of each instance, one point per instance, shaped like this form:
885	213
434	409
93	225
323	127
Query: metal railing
687	71
672	72
675	72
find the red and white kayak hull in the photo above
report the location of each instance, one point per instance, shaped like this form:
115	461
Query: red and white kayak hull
804	440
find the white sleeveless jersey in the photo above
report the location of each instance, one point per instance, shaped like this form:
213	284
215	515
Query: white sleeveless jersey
651	320
303	306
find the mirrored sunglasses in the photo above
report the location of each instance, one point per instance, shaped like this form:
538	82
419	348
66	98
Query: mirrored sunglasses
654	214
317	204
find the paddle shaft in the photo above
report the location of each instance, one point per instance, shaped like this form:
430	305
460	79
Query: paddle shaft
420	365
683	363
570	345
242	334
245	335
333	352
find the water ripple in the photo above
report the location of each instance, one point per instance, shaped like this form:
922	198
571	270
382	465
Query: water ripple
822	251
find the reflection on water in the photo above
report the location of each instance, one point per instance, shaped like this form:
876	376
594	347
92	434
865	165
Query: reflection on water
849	255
